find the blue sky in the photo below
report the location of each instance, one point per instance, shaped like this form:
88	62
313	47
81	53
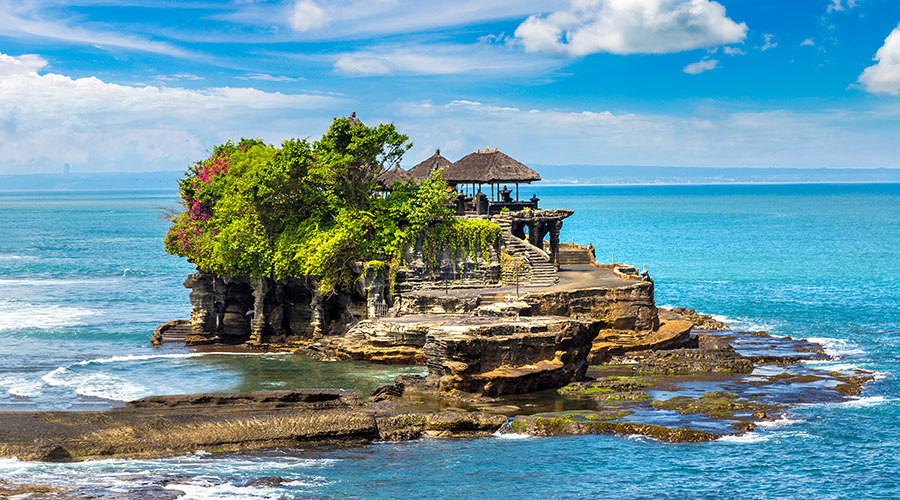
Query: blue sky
150	85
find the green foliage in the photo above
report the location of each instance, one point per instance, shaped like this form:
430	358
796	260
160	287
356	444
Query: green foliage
309	209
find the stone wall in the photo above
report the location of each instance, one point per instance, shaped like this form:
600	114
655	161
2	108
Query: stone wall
462	267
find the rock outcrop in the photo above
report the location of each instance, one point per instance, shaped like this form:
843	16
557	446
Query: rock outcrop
508	356
168	425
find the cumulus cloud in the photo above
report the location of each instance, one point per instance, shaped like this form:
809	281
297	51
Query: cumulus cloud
630	27
307	15
710	137
809	42
50	119
884	76
701	66
769	42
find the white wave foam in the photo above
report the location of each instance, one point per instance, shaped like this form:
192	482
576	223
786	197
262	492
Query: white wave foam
742	323
203	490
512	435
13	256
98	385
184	355
865	401
782	421
15	315
106	386
837	348
21	387
748	437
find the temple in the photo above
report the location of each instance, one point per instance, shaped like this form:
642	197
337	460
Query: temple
508	310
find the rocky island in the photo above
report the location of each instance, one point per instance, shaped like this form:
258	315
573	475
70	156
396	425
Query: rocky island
330	250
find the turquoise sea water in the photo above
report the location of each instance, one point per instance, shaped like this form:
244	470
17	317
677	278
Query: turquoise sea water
83	282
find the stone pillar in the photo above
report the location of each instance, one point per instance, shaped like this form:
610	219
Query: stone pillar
555	227
534	232
203	313
258	323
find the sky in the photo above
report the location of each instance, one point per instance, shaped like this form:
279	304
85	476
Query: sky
152	85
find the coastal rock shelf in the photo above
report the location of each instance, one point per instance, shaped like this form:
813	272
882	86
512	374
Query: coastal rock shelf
618	398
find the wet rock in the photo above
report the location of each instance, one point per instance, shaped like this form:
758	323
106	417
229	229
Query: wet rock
716	404
170	425
410	380
455	423
47	452
267	481
710	341
687	361
387	392
401	427
543	425
700	321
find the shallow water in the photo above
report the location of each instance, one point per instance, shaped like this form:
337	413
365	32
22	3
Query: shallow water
83	277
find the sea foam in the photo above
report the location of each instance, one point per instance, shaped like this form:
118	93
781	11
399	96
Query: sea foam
16	315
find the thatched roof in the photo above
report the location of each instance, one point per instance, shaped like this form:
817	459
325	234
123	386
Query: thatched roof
488	167
388	178
423	170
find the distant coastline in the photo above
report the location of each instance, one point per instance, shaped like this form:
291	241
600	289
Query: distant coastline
553	175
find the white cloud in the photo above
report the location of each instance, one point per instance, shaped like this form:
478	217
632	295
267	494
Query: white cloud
50	119
884	76
271	78
307	16
701	66
838	5
440	59
178	76
630	27
809	42
769	43
733	51
351	19
22	19
605	137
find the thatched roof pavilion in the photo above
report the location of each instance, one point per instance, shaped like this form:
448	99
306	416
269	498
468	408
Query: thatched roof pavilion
489	167
389	177
423	170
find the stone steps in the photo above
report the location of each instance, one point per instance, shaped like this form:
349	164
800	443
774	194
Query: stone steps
542	272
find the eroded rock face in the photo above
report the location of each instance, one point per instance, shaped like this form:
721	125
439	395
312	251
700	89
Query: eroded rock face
625	308
263	311
494	357
381	342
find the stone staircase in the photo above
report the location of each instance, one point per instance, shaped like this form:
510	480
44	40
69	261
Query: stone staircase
541	272
570	254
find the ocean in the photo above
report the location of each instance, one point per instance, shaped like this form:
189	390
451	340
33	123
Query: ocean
84	281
